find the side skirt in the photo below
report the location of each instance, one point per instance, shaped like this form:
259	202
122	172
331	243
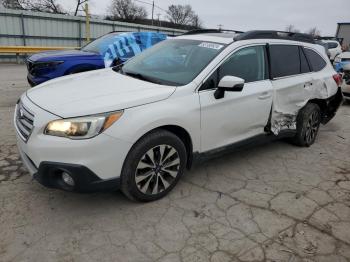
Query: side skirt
262	139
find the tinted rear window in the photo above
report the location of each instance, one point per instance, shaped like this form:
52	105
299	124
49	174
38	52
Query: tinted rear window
316	61
332	45
284	60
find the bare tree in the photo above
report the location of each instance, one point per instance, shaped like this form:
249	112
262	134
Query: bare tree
292	29
314	32
79	4
180	14
48	6
196	21
13	4
127	10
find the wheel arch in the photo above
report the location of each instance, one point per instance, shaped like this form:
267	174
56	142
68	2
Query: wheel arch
182	134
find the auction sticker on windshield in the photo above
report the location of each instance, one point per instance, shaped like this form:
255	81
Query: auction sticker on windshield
211	45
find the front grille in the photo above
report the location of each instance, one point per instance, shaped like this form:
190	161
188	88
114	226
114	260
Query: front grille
24	120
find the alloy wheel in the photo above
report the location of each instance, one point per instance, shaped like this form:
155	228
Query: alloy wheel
157	169
312	127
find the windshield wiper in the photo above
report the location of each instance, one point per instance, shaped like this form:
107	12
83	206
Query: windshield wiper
140	76
118	69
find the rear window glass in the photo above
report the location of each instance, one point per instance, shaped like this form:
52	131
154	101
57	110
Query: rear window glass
284	60
332	45
316	61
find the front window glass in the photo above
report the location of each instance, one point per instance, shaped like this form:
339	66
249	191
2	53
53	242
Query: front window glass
173	62
248	63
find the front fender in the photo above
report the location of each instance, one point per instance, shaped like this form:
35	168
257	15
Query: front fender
138	121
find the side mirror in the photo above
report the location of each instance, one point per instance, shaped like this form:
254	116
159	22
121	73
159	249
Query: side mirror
229	84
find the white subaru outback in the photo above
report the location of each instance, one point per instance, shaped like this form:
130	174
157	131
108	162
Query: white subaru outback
137	127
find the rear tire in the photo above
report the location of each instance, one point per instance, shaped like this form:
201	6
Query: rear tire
308	123
153	166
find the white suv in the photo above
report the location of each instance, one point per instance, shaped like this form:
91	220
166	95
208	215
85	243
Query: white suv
138	127
334	48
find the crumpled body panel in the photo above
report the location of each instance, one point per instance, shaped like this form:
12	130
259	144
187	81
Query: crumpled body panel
289	99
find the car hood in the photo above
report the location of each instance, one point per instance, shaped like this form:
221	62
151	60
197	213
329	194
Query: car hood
63	55
95	92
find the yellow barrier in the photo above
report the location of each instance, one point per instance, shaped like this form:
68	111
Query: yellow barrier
29	49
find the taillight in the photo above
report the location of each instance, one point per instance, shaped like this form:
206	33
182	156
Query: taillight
338	79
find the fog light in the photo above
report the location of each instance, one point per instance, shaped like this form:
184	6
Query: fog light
67	179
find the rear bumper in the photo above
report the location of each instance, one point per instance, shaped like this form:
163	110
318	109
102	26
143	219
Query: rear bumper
333	104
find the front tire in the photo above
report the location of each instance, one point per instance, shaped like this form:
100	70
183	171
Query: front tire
308	123
153	166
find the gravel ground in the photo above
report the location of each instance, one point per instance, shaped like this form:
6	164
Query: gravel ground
275	202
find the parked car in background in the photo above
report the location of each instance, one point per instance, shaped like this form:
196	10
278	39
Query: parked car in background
108	50
325	46
341	60
139	125
334	48
346	82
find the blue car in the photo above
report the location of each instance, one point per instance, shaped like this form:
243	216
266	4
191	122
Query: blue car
107	51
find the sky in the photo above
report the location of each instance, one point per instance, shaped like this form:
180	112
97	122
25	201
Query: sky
246	15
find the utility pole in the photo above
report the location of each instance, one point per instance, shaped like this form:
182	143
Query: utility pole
159	20
87	31
152	11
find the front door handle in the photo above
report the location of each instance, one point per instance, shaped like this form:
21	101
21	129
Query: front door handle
264	96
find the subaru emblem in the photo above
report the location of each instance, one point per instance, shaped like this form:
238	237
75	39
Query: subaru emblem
21	113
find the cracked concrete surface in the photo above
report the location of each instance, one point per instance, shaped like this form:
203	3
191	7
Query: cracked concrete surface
275	202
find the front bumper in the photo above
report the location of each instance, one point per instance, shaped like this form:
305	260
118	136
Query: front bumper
34	81
50	175
95	163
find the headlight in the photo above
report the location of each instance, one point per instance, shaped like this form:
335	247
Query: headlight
82	127
41	65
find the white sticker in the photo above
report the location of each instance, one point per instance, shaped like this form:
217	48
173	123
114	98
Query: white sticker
211	45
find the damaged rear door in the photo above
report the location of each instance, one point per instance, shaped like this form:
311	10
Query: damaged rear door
291	79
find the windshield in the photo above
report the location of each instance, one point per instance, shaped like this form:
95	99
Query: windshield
173	62
100	45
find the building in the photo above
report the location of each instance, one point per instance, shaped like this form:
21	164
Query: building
343	31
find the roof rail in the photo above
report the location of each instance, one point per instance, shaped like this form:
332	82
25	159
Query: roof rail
202	31
208	31
270	34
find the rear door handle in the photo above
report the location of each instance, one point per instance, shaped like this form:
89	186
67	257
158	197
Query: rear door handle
307	84
264	96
